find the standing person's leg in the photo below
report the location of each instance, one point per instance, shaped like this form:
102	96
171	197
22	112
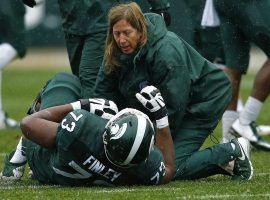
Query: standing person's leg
12	45
91	61
258	96
211	45
236	49
255	29
183	22
260	92
231	114
74	44
245	126
85	57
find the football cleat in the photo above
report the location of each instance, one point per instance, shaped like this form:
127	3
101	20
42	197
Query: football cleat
12	171
263	130
7	122
31	175
243	169
250	132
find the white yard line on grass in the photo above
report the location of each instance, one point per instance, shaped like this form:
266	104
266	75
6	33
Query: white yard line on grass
12	187
225	196
112	191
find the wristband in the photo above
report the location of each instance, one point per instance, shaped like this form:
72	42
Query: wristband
162	123
76	105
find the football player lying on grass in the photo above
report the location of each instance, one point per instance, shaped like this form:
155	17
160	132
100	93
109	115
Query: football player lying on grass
83	144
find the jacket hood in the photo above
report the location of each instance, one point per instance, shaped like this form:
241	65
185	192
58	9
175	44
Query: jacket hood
156	28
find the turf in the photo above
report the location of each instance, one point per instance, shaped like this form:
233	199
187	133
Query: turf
20	88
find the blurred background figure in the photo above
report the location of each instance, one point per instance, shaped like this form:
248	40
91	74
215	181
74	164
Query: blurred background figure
34	17
198	23
12	45
187	22
243	22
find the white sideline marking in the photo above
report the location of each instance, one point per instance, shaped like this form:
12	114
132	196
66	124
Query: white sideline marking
262	174
226	196
10	187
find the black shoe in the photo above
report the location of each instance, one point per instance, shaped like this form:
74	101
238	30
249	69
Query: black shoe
243	169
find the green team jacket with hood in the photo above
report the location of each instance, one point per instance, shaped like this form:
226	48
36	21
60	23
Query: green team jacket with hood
82	17
195	91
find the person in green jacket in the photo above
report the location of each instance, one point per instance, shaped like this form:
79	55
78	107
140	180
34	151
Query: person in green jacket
85	26
140	52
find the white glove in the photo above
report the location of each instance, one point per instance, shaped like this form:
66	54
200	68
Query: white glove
101	107
152	100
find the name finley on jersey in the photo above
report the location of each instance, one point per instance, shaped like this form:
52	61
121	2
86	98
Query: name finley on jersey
96	166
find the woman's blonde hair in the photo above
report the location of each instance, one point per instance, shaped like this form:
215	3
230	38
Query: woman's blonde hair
132	13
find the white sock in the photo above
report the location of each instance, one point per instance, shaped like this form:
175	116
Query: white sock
233	146
1	107
19	155
7	54
251	111
2	115
228	118
240	105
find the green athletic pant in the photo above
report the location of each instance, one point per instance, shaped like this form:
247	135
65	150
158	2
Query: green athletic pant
182	21
193	163
86	56
63	88
210	44
243	22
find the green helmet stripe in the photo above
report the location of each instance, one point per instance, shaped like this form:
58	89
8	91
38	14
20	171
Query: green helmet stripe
138	140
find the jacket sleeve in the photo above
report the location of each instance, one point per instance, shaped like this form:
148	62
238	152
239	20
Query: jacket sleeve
171	75
106	86
159	4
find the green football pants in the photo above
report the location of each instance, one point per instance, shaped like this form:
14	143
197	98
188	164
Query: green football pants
243	22
86	56
63	88
193	163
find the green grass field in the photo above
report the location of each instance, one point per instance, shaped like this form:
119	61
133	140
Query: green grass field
20	88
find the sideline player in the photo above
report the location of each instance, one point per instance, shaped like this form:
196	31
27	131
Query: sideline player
12	45
243	22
